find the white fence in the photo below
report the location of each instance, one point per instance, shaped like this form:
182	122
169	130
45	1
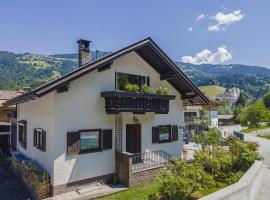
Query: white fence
245	189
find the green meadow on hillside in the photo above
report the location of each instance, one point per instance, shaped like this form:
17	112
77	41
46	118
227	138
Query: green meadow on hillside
212	90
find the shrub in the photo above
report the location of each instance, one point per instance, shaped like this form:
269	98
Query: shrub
244	154
132	87
216	161
162	90
212	137
181	180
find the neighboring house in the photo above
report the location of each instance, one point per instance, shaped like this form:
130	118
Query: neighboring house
7	116
84	128
226	120
192	118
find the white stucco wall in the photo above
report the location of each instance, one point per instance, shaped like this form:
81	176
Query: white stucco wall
39	114
82	107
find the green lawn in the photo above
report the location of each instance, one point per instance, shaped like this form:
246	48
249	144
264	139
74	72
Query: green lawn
248	130
212	90
136	193
142	193
267	136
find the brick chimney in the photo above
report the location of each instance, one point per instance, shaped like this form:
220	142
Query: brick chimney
84	52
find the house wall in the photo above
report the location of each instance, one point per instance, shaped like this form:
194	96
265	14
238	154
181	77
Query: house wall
82	107
39	114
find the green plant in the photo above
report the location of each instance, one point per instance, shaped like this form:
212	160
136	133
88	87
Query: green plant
244	154
162	90
216	161
148	90
212	137
181	180
132	87
253	114
266	100
122	81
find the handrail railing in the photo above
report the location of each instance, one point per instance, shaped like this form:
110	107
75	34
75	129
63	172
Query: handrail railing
146	160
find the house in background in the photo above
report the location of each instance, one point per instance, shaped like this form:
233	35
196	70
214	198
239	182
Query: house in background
193	119
7	116
85	127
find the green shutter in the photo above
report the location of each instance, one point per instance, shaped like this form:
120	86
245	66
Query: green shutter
35	138
155	135
174	133
73	143
107	139
43	135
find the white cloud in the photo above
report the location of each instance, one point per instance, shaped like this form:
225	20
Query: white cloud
190	29
223	20
207	57
200	17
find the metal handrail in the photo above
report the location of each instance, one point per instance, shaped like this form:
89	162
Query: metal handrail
146	160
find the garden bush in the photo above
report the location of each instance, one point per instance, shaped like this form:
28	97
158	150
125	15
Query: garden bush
215	166
181	180
244	154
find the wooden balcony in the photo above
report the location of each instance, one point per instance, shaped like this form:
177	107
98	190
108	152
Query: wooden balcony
121	101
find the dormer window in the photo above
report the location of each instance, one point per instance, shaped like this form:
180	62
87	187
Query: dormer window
122	79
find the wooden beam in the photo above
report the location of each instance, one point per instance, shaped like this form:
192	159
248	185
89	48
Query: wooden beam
188	97
105	66
63	88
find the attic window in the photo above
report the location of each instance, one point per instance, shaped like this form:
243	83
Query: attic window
122	79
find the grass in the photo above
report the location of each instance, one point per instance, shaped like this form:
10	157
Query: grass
267	136
248	130
142	193
136	193
212	90
204	193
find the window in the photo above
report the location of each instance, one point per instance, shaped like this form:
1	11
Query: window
90	140
39	139
123	79
87	141
164	133
22	132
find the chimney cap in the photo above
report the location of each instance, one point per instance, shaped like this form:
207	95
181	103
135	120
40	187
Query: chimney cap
83	41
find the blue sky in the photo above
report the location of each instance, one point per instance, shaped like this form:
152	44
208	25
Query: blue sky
52	26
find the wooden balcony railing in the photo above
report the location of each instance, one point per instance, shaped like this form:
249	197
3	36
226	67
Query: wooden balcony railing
121	101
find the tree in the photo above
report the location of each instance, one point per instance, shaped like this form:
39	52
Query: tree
253	114
242	100
266	100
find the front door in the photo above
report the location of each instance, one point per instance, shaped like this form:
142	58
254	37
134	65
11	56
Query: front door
133	138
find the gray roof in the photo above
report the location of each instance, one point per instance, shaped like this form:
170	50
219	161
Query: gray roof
148	50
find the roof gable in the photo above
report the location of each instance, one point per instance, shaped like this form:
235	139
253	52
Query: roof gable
145	48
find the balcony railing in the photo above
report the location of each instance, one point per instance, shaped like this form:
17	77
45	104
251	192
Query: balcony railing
146	160
193	120
121	101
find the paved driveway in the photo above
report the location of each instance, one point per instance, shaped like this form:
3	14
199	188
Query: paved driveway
11	187
264	149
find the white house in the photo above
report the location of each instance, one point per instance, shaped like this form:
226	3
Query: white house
82	126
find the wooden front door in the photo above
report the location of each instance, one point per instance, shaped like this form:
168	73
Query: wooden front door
133	138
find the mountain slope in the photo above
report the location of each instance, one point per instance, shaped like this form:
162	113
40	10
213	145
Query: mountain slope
252	79
19	70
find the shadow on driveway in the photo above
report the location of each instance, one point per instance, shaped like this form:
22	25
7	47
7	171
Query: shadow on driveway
11	186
